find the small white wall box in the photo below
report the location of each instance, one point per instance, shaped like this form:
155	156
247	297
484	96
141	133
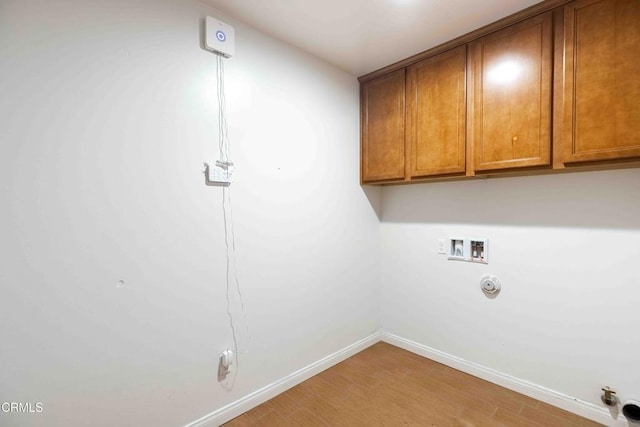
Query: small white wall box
457	248
469	249
479	250
220	37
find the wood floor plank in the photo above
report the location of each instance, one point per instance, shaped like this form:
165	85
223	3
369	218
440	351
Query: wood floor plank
388	386
576	419
323	411
243	420
551	416
471	418
544	418
306	417
284	404
513	420
464	398
259	411
273	419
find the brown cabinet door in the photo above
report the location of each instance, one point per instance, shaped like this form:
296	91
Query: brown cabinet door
383	112
601	117
436	112
510	96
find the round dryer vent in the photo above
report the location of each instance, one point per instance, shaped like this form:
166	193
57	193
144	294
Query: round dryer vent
631	410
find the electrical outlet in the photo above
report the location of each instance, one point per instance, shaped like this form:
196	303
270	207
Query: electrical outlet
442	247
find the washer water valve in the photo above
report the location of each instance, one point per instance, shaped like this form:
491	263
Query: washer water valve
608	397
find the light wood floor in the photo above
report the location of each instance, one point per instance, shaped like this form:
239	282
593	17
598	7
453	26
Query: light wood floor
387	386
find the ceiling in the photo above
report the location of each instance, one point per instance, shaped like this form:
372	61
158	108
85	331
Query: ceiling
360	36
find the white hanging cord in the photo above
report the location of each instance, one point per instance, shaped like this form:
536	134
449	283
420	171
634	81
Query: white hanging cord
242	349
229	231
223	130
229	385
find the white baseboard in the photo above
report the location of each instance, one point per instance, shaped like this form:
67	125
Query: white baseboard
234	409
552	397
568	403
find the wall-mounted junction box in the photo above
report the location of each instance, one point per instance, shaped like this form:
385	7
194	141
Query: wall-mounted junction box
468	249
457	249
220	37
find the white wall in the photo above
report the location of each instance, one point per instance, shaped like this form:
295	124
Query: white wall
107	111
566	249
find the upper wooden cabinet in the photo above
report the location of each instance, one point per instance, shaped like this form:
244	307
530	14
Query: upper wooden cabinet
601	95
436	112
383	128
510	83
490	102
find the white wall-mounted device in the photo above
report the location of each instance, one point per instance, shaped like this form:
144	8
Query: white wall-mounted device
467	249
457	248
220	37
220	175
490	285
225	361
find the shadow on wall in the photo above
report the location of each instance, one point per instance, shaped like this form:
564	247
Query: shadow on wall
606	199
374	194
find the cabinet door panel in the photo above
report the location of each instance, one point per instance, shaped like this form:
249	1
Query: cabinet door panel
602	88
383	123
511	96
436	114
